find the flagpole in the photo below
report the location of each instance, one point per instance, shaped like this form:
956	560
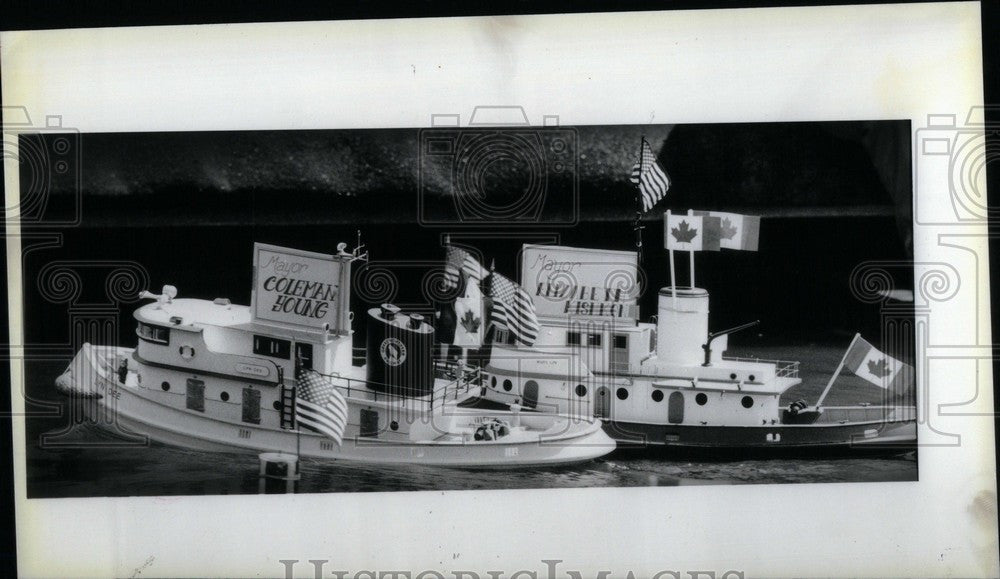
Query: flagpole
673	277
638	198
691	253
295	414
840	367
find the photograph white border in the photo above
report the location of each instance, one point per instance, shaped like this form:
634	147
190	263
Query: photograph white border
748	65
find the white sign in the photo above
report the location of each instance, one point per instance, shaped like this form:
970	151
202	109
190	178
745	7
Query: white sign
576	282
301	288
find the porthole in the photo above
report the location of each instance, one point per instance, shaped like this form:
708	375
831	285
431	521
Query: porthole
394	425
752	377
493	381
732	376
165	386
747	402
701	399
277	405
657	395
507	385
581	390
621	393
224	396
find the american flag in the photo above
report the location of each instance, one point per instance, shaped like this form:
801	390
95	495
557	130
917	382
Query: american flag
652	180
457	260
513	309
319	406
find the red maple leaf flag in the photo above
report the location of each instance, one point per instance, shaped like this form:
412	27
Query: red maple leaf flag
691	232
882	370
736	231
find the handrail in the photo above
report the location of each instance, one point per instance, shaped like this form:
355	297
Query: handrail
461	384
707	346
783	368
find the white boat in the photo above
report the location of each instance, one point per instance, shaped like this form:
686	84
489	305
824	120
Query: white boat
215	376
667	383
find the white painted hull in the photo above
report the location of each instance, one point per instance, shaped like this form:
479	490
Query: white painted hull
543	440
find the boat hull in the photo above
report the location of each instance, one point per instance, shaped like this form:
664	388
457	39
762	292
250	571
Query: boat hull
123	408
868	437
847	437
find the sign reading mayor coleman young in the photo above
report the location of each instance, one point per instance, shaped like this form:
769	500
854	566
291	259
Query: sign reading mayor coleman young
575	282
300	288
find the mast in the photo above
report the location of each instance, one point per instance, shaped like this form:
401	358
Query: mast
840	368
637	226
691	253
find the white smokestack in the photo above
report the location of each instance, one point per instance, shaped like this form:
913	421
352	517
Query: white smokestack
682	329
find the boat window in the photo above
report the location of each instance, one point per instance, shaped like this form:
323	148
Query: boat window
581	390
572	338
701	399
165	385
195	395
507	385
268	346
493	381
621	341
593	340
657	395
154	334
621	393
747	402
251	405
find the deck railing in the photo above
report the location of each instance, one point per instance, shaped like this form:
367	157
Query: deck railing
464	380
782	368
868	413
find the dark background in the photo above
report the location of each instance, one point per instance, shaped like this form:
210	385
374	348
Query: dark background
187	207
96	13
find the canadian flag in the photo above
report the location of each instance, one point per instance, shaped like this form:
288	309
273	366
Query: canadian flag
690	232
736	231
469	316
882	370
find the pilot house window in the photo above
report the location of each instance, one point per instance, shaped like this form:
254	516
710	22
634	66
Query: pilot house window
572	338
594	340
273	347
155	334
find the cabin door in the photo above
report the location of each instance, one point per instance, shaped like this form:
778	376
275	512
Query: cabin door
619	353
304	354
530	398
675	408
602	402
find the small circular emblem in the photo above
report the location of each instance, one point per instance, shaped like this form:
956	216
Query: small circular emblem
393	351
